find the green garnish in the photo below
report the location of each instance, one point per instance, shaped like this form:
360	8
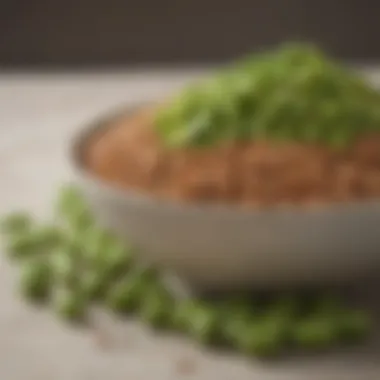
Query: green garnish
294	93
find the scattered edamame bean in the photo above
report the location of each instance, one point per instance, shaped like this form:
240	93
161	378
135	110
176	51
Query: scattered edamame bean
93	284
95	242
34	241
69	303
64	265
35	280
110	256
123	298
354	325
80	219
83	263
69	197
155	308
263	338
203	323
16	222
126	295
181	312
316	332
72	209
117	262
23	245
49	236
234	324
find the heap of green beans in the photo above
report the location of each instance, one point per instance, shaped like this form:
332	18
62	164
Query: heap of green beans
294	93
71	263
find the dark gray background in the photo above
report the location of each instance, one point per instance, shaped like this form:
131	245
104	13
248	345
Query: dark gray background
93	33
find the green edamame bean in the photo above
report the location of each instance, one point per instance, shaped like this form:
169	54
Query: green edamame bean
263	338
234	323
203	323
118	261
123	298
93	284
354	325
155	308
69	196
16	222
69	303
73	209
316	332
126	295
23	245
95	242
64	265
49	236
35	280
181	313
112	257
35	241
80	219
103	268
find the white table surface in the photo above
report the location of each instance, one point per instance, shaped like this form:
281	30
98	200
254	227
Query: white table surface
38	115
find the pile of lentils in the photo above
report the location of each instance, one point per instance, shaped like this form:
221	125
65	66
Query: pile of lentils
71	264
294	93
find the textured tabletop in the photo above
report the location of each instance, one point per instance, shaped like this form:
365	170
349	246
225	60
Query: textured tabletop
38	115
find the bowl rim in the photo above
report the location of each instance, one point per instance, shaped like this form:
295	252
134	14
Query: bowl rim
105	120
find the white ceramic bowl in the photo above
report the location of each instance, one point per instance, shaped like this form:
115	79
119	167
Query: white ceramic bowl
220	247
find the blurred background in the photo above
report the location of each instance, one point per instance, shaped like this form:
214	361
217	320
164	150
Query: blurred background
73	34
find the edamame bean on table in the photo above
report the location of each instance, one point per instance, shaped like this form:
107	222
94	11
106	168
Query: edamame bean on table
94	285
354	325
75	264
317	332
124	297
204	323
65	265
23	245
35	279
69	304
261	339
16	222
156	307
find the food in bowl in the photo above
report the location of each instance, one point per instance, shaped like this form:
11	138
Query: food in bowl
203	196
289	126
